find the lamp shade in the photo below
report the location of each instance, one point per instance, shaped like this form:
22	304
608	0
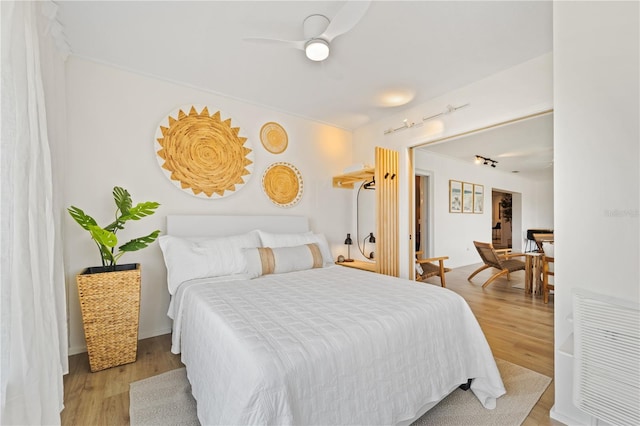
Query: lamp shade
348	240
372	239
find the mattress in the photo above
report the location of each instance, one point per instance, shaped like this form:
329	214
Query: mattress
327	346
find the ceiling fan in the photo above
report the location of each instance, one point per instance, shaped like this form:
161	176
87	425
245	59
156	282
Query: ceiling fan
319	31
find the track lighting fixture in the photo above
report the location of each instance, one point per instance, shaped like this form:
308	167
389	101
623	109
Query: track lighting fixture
486	161
448	110
406	124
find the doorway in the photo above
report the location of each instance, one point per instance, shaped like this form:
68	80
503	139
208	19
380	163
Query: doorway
422	215
521	146
502	215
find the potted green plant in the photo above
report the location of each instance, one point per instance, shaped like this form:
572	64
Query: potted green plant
110	294
506	204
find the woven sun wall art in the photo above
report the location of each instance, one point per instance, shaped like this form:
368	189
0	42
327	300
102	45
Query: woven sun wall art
203	154
282	182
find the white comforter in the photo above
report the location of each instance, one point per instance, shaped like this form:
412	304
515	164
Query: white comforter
327	346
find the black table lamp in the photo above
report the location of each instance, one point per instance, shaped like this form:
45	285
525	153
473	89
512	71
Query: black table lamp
372	240
348	242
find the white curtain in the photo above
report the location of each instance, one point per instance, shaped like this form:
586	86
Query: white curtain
34	330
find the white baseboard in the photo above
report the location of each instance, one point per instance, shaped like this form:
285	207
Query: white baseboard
566	419
153	333
77	350
141	335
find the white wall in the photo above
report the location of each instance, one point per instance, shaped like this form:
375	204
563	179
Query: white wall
517	92
454	233
596	133
112	119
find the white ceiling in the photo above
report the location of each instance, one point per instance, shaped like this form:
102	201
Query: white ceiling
419	49
524	147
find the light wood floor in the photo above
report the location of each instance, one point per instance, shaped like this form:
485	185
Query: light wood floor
519	329
518	326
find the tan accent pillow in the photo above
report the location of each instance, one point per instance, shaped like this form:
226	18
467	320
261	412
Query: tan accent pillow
267	260
274	240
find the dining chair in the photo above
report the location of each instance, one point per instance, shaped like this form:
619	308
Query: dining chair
548	263
496	231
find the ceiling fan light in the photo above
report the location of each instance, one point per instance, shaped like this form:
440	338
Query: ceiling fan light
317	49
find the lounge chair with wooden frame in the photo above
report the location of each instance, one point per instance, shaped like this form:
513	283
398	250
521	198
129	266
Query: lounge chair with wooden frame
502	262
430	269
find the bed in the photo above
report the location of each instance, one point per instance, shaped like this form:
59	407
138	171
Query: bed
311	345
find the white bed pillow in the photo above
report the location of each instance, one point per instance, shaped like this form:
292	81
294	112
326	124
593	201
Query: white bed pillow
273	240
268	260
187	259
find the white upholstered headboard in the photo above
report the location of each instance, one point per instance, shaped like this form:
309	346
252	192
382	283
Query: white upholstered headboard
222	226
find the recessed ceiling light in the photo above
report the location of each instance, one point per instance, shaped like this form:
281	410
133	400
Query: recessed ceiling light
395	97
515	171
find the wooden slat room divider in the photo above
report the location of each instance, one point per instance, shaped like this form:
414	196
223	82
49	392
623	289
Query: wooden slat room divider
387	178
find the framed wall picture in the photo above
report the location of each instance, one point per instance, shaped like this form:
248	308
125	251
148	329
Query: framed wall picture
478	198
455	196
467	197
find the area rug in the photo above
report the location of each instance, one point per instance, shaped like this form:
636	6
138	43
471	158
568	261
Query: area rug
166	400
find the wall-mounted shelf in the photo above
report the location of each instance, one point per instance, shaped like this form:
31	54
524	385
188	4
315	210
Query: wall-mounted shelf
348	179
359	264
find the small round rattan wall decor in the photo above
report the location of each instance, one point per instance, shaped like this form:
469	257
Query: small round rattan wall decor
274	138
203	154
282	182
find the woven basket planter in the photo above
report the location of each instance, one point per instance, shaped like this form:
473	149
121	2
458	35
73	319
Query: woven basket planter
110	304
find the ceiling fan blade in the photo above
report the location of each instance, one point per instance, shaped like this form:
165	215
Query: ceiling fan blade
279	43
346	19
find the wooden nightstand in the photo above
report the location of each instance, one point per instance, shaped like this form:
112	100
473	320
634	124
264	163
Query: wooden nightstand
359	264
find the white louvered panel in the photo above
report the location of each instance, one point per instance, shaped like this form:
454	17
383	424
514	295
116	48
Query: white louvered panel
607	358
